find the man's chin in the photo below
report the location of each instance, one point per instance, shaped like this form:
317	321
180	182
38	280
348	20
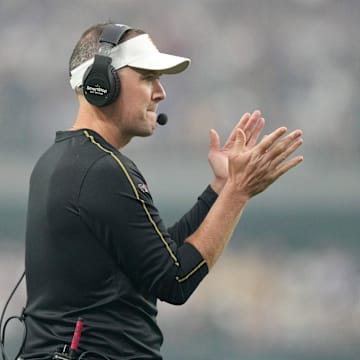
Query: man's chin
147	132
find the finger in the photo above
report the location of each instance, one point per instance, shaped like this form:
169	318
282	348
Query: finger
251	123
281	170
287	152
243	121
253	137
248	128
282	146
214	140
268	140
241	124
240	141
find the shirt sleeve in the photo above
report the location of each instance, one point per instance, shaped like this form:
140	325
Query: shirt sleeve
117	207
194	217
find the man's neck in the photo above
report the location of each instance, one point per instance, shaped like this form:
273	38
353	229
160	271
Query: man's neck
91	118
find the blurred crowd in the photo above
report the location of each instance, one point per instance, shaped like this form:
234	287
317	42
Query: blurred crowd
296	60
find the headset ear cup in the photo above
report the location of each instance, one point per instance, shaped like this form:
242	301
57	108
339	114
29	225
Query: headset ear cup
115	85
101	82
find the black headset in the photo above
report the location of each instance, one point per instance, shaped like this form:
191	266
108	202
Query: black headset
101	84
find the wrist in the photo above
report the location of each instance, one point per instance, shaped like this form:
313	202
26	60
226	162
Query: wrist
217	185
237	194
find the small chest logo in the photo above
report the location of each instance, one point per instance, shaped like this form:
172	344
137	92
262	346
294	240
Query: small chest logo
143	187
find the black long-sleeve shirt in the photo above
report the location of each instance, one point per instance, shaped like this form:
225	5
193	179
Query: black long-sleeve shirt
96	247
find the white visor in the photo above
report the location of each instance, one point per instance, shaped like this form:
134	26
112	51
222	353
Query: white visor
138	52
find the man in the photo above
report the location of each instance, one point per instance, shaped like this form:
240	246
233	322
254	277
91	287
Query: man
96	246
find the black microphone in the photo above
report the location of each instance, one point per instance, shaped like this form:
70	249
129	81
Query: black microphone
162	119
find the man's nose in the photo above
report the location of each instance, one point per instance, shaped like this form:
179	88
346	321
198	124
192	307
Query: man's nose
159	91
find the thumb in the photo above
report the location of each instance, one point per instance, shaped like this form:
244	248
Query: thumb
214	140
240	141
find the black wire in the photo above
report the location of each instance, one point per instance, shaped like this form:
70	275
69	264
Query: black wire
2	329
22	321
97	354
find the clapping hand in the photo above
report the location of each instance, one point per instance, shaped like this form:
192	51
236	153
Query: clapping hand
251	125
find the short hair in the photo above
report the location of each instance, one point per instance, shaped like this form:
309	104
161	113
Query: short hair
88	44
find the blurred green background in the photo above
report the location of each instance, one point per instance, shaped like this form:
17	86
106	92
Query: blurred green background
288	286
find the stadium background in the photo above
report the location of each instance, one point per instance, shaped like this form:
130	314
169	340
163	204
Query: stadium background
288	286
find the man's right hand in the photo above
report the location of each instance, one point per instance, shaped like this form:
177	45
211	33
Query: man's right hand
253	169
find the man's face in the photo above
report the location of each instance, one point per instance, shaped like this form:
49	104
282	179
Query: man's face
140	93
